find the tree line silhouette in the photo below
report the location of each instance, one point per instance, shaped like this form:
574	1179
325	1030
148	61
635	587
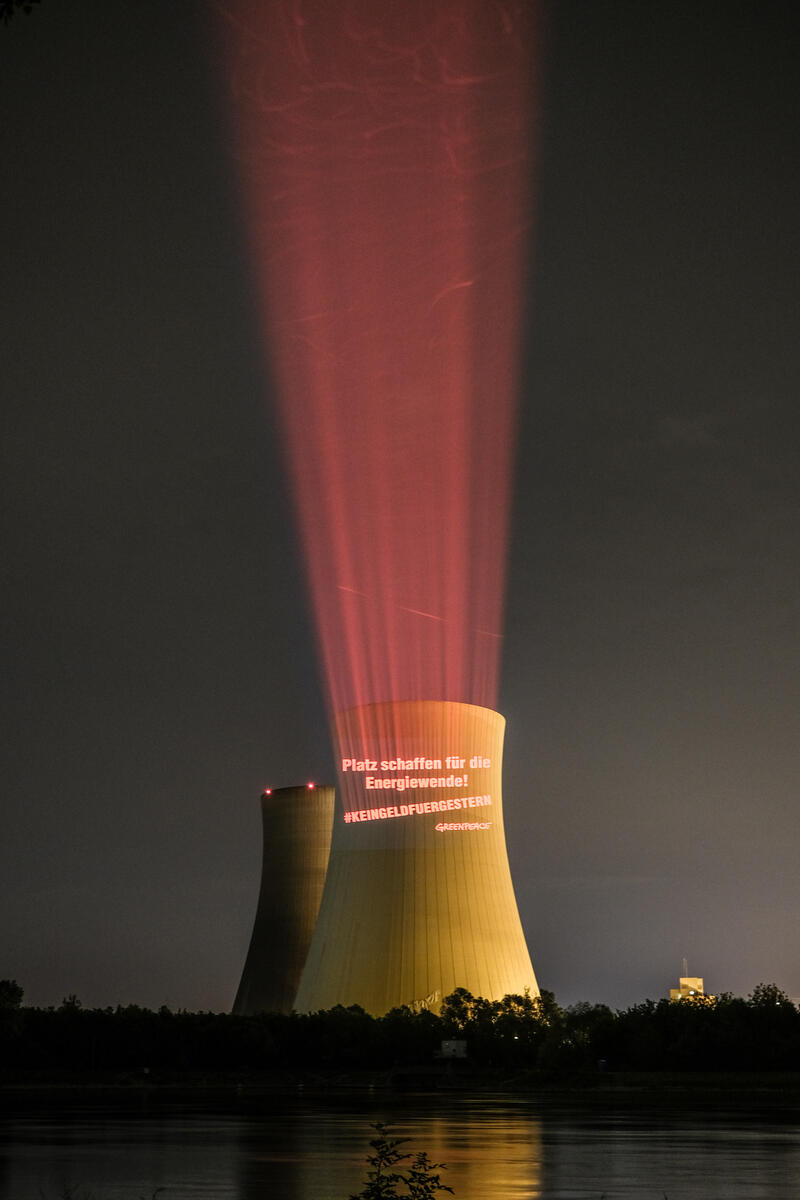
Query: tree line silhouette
723	1033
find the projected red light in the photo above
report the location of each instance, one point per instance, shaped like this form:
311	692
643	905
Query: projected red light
385	155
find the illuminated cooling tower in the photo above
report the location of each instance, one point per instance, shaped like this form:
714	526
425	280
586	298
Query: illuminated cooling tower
297	838
418	897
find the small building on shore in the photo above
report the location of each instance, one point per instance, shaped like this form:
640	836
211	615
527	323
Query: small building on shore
689	987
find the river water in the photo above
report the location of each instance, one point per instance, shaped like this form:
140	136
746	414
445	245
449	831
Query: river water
313	1148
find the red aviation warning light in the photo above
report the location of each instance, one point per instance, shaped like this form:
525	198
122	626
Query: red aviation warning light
296	830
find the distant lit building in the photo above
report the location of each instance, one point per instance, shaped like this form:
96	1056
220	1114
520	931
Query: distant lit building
689	988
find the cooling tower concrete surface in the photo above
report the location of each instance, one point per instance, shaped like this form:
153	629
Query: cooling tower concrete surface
418	898
297	836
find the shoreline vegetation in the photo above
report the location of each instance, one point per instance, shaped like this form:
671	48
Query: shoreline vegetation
519	1044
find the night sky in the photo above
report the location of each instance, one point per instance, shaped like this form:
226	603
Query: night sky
159	666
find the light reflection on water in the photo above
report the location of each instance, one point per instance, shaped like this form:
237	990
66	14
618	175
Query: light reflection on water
494	1148
486	1153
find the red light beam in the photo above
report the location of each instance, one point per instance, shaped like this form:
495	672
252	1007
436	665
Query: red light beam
385	155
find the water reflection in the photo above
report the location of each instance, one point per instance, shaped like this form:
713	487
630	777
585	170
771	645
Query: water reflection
91	1155
666	1151
488	1150
272	1148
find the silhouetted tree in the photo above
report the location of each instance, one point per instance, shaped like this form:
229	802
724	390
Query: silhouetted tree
10	994
9	7
10	1017
768	995
419	1181
722	1033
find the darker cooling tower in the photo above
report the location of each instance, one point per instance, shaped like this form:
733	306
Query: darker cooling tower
297	837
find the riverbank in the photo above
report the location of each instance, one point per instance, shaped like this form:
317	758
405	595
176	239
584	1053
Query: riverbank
735	1088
